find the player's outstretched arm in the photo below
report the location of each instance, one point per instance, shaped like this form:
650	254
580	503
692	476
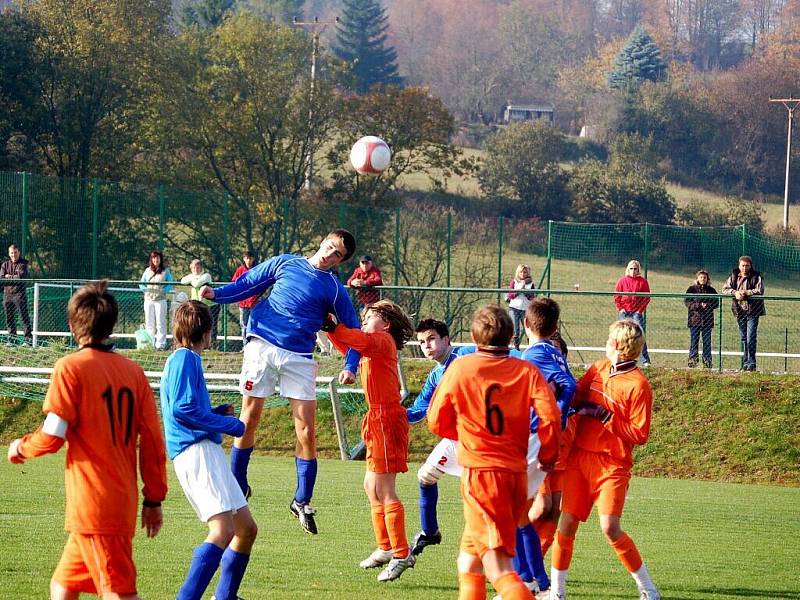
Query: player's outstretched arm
417	411
48	439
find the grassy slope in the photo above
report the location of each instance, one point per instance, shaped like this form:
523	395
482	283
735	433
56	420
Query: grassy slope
721	427
702	541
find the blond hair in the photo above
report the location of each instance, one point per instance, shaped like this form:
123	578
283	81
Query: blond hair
628	338
519	270
491	326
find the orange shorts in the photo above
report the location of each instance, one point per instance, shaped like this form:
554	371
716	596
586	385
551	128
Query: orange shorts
593	478
545	488
97	564
494	502
385	434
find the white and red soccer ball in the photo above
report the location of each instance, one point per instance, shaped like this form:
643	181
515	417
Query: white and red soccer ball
370	154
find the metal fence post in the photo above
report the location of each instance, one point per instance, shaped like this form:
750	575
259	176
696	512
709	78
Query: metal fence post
719	336
161	218
448	263
95	203
744	239
35	341
646	248
549	252
396	247
499	255
25	201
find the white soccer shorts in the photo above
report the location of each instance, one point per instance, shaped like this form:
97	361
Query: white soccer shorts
266	366
205	476
443	457
535	474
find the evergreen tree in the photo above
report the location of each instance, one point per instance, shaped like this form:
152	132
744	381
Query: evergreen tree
206	14
361	41
639	60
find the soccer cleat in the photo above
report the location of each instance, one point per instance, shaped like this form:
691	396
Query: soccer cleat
421	540
396	567
649	595
378	558
305	514
554	595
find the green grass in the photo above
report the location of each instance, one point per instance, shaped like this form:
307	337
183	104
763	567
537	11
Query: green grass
700	540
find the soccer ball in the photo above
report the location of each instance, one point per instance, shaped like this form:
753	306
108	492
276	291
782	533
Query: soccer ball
370	154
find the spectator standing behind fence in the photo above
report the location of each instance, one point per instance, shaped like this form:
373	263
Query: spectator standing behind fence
246	305
153	283
197	279
701	318
744	284
366	274
15	298
633	307
518	301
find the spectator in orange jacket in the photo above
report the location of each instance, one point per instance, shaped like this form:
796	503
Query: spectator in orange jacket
633	307
366	274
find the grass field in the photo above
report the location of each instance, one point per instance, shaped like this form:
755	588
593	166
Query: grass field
700	540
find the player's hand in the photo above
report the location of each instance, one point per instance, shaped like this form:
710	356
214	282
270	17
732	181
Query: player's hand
223	409
330	323
546	467
346	377
14	457
590	409
207	292
152	520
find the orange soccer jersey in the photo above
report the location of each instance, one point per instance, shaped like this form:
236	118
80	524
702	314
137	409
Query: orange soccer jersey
625	391
484	401
385	426
109	409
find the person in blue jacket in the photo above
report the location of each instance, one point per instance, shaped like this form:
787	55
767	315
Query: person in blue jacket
281	334
193	433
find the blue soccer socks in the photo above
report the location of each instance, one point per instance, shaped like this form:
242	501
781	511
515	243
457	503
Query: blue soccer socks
306	479
205	560
233	566
428	498
240	460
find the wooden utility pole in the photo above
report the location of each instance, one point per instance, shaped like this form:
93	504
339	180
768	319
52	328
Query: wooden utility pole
317	27
790	104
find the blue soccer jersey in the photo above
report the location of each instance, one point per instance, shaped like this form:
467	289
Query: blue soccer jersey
556	371
417	411
186	407
300	300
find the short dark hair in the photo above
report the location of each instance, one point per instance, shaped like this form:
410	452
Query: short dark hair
439	327
542	316
491	326
747	259
248	254
348	240
10	246
192	323
92	312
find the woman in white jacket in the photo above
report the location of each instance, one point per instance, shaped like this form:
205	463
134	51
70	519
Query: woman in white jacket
518	301
198	278
153	283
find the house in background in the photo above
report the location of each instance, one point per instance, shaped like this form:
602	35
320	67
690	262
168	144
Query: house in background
514	113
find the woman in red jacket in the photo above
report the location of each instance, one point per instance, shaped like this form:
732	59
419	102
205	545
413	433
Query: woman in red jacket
633	307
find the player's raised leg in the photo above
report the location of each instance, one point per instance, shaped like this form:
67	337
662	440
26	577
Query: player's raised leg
304	415
242	449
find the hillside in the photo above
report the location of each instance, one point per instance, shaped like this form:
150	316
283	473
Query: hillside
742	428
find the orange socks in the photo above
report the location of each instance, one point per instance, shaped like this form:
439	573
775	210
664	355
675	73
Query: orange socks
547	531
396	526
471	586
510	587
562	552
628	554
379	527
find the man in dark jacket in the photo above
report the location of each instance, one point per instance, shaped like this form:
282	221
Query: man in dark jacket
701	318
746	285
14	296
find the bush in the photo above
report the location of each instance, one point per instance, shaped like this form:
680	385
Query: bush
732	212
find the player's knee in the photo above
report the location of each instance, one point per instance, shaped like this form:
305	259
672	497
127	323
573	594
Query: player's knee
429	475
469	563
611	529
247	532
568	524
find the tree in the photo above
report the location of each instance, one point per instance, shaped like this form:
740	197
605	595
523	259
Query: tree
361	42
603	195
234	113
639	60
203	13
91	73
522	163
